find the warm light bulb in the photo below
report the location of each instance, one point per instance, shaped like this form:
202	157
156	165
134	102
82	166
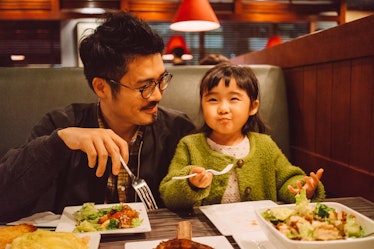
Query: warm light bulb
194	26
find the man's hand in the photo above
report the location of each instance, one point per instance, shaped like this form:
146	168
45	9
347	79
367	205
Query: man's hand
98	144
311	183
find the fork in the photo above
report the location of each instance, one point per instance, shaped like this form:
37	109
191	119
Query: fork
214	172
141	188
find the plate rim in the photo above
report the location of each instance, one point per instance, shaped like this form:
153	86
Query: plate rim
95	239
226	230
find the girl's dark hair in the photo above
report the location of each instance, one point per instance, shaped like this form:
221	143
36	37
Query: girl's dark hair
245	79
114	44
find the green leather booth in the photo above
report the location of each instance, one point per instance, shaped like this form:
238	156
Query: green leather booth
27	93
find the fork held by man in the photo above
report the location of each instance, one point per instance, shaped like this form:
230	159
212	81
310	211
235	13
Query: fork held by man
141	188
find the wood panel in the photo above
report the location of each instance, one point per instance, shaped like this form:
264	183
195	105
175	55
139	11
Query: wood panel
324	108
340	118
309	114
39	41
302	10
295	79
25	5
29	9
361	128
74	4
158	10
330	86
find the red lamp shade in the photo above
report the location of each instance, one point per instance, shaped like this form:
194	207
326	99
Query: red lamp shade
195	16
273	40
177	46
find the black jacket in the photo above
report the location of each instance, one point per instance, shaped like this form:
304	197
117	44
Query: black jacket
45	175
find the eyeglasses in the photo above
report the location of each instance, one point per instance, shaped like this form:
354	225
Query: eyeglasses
147	90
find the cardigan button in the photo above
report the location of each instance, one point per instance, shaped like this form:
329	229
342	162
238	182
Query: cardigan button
240	163
247	190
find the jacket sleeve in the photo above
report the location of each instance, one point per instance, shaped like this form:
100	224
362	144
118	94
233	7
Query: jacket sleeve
179	194
27	172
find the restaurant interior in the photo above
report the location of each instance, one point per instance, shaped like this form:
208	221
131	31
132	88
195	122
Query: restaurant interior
324	50
45	33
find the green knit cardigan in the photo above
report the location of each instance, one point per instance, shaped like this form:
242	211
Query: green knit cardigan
263	174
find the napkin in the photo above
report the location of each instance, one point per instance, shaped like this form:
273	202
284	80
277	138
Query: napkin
44	219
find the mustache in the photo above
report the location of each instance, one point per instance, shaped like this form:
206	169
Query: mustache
150	105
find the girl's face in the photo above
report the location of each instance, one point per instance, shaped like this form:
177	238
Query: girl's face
226	110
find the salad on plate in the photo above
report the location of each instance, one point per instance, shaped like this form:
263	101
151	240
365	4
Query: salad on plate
313	222
92	219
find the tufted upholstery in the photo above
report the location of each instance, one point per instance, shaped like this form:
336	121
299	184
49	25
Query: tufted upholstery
27	93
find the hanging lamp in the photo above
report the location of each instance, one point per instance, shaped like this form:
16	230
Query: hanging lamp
195	16
177	42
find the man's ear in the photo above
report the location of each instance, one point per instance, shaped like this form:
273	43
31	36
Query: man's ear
254	107
101	87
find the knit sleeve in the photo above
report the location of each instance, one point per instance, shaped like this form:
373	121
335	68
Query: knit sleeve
179	194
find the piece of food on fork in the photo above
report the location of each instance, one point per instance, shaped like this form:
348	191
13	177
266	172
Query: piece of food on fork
183	239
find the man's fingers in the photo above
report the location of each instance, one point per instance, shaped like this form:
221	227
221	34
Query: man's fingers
102	157
90	150
98	144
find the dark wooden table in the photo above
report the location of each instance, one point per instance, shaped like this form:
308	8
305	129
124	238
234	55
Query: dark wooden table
164	223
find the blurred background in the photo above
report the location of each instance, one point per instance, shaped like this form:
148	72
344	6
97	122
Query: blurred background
46	33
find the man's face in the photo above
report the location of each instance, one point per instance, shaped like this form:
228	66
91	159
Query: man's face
128	106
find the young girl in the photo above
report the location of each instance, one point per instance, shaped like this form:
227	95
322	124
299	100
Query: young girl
232	134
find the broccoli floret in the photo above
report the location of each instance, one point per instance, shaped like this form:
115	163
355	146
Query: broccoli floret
113	224
323	211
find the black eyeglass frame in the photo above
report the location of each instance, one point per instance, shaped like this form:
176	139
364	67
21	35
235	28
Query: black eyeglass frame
150	84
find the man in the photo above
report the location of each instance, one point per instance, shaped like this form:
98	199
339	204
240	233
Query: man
73	155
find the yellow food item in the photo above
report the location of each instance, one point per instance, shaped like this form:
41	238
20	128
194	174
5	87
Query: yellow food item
43	239
9	233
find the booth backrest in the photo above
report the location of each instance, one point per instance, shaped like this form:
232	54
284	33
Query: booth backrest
26	94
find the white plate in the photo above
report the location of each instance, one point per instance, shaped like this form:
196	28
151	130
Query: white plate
254	240
94	241
359	243
217	242
236	217
67	222
43	219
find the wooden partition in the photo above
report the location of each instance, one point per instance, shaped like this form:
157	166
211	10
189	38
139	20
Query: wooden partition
330	87
164	10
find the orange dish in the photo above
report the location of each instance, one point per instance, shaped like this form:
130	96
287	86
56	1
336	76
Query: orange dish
44	239
9	233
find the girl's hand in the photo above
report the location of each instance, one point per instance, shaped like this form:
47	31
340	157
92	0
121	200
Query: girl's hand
311	183
203	179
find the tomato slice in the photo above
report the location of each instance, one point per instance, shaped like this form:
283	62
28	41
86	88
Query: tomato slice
116	215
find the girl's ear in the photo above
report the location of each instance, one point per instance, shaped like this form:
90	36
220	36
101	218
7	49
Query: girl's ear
254	107
101	87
